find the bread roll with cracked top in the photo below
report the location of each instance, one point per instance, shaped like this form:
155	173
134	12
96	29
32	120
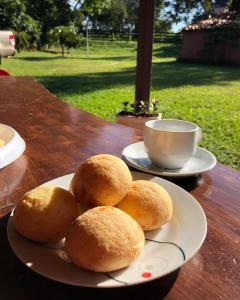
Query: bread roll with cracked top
104	239
148	203
102	179
45	214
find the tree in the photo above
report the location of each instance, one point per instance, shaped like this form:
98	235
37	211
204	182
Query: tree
63	36
181	10
21	40
132	14
91	8
49	14
113	17
161	22
11	13
14	16
78	19
162	25
124	14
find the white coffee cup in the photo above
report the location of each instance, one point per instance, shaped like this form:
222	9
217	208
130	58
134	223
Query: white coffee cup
171	143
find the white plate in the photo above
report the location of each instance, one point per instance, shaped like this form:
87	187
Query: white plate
14	146
136	156
166	249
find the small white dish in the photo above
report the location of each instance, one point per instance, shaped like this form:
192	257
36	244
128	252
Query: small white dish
14	145
165	250
136	156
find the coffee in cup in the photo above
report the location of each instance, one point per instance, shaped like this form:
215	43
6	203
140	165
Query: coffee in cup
171	143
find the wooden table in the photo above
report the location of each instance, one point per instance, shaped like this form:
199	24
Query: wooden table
59	137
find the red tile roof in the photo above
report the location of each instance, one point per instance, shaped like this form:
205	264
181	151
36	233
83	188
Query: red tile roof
230	19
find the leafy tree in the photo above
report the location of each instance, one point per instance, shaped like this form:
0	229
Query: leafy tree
162	25
21	40
91	8
113	17
78	19
180	10
13	15
161	22
63	36
130	19
132	14
177	11
49	14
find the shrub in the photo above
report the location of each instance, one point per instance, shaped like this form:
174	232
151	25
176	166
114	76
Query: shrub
63	36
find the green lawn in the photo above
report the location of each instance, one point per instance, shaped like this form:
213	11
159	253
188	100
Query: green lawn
101	81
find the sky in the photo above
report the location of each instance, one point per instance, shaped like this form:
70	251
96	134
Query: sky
178	26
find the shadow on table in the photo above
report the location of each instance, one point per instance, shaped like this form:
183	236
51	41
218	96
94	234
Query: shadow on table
18	282
187	183
34	286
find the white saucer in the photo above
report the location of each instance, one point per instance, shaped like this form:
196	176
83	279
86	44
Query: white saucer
136	156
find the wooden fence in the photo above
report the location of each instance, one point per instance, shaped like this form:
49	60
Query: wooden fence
162	37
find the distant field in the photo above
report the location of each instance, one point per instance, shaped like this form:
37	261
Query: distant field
101	81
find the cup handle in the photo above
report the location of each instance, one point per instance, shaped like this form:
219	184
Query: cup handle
199	134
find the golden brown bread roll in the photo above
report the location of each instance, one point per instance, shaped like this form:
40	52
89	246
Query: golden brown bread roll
104	239
101	180
45	214
148	203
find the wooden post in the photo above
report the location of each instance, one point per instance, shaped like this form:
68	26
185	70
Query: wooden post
144	52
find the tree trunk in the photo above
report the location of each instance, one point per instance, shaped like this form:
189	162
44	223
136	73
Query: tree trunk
62	46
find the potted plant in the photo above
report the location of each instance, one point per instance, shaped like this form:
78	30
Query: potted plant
136	114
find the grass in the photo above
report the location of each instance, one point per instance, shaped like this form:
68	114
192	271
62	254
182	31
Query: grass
101	81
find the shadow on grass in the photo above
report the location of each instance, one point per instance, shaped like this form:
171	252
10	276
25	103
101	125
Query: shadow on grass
38	58
167	50
119	58
163	51
165	75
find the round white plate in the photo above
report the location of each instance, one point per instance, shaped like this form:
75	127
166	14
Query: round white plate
136	156
165	250
14	146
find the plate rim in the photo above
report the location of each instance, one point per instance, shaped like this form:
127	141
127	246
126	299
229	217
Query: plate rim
146	280
12	150
169	173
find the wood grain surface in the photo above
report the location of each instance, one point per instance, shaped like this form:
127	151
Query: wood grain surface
58	138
